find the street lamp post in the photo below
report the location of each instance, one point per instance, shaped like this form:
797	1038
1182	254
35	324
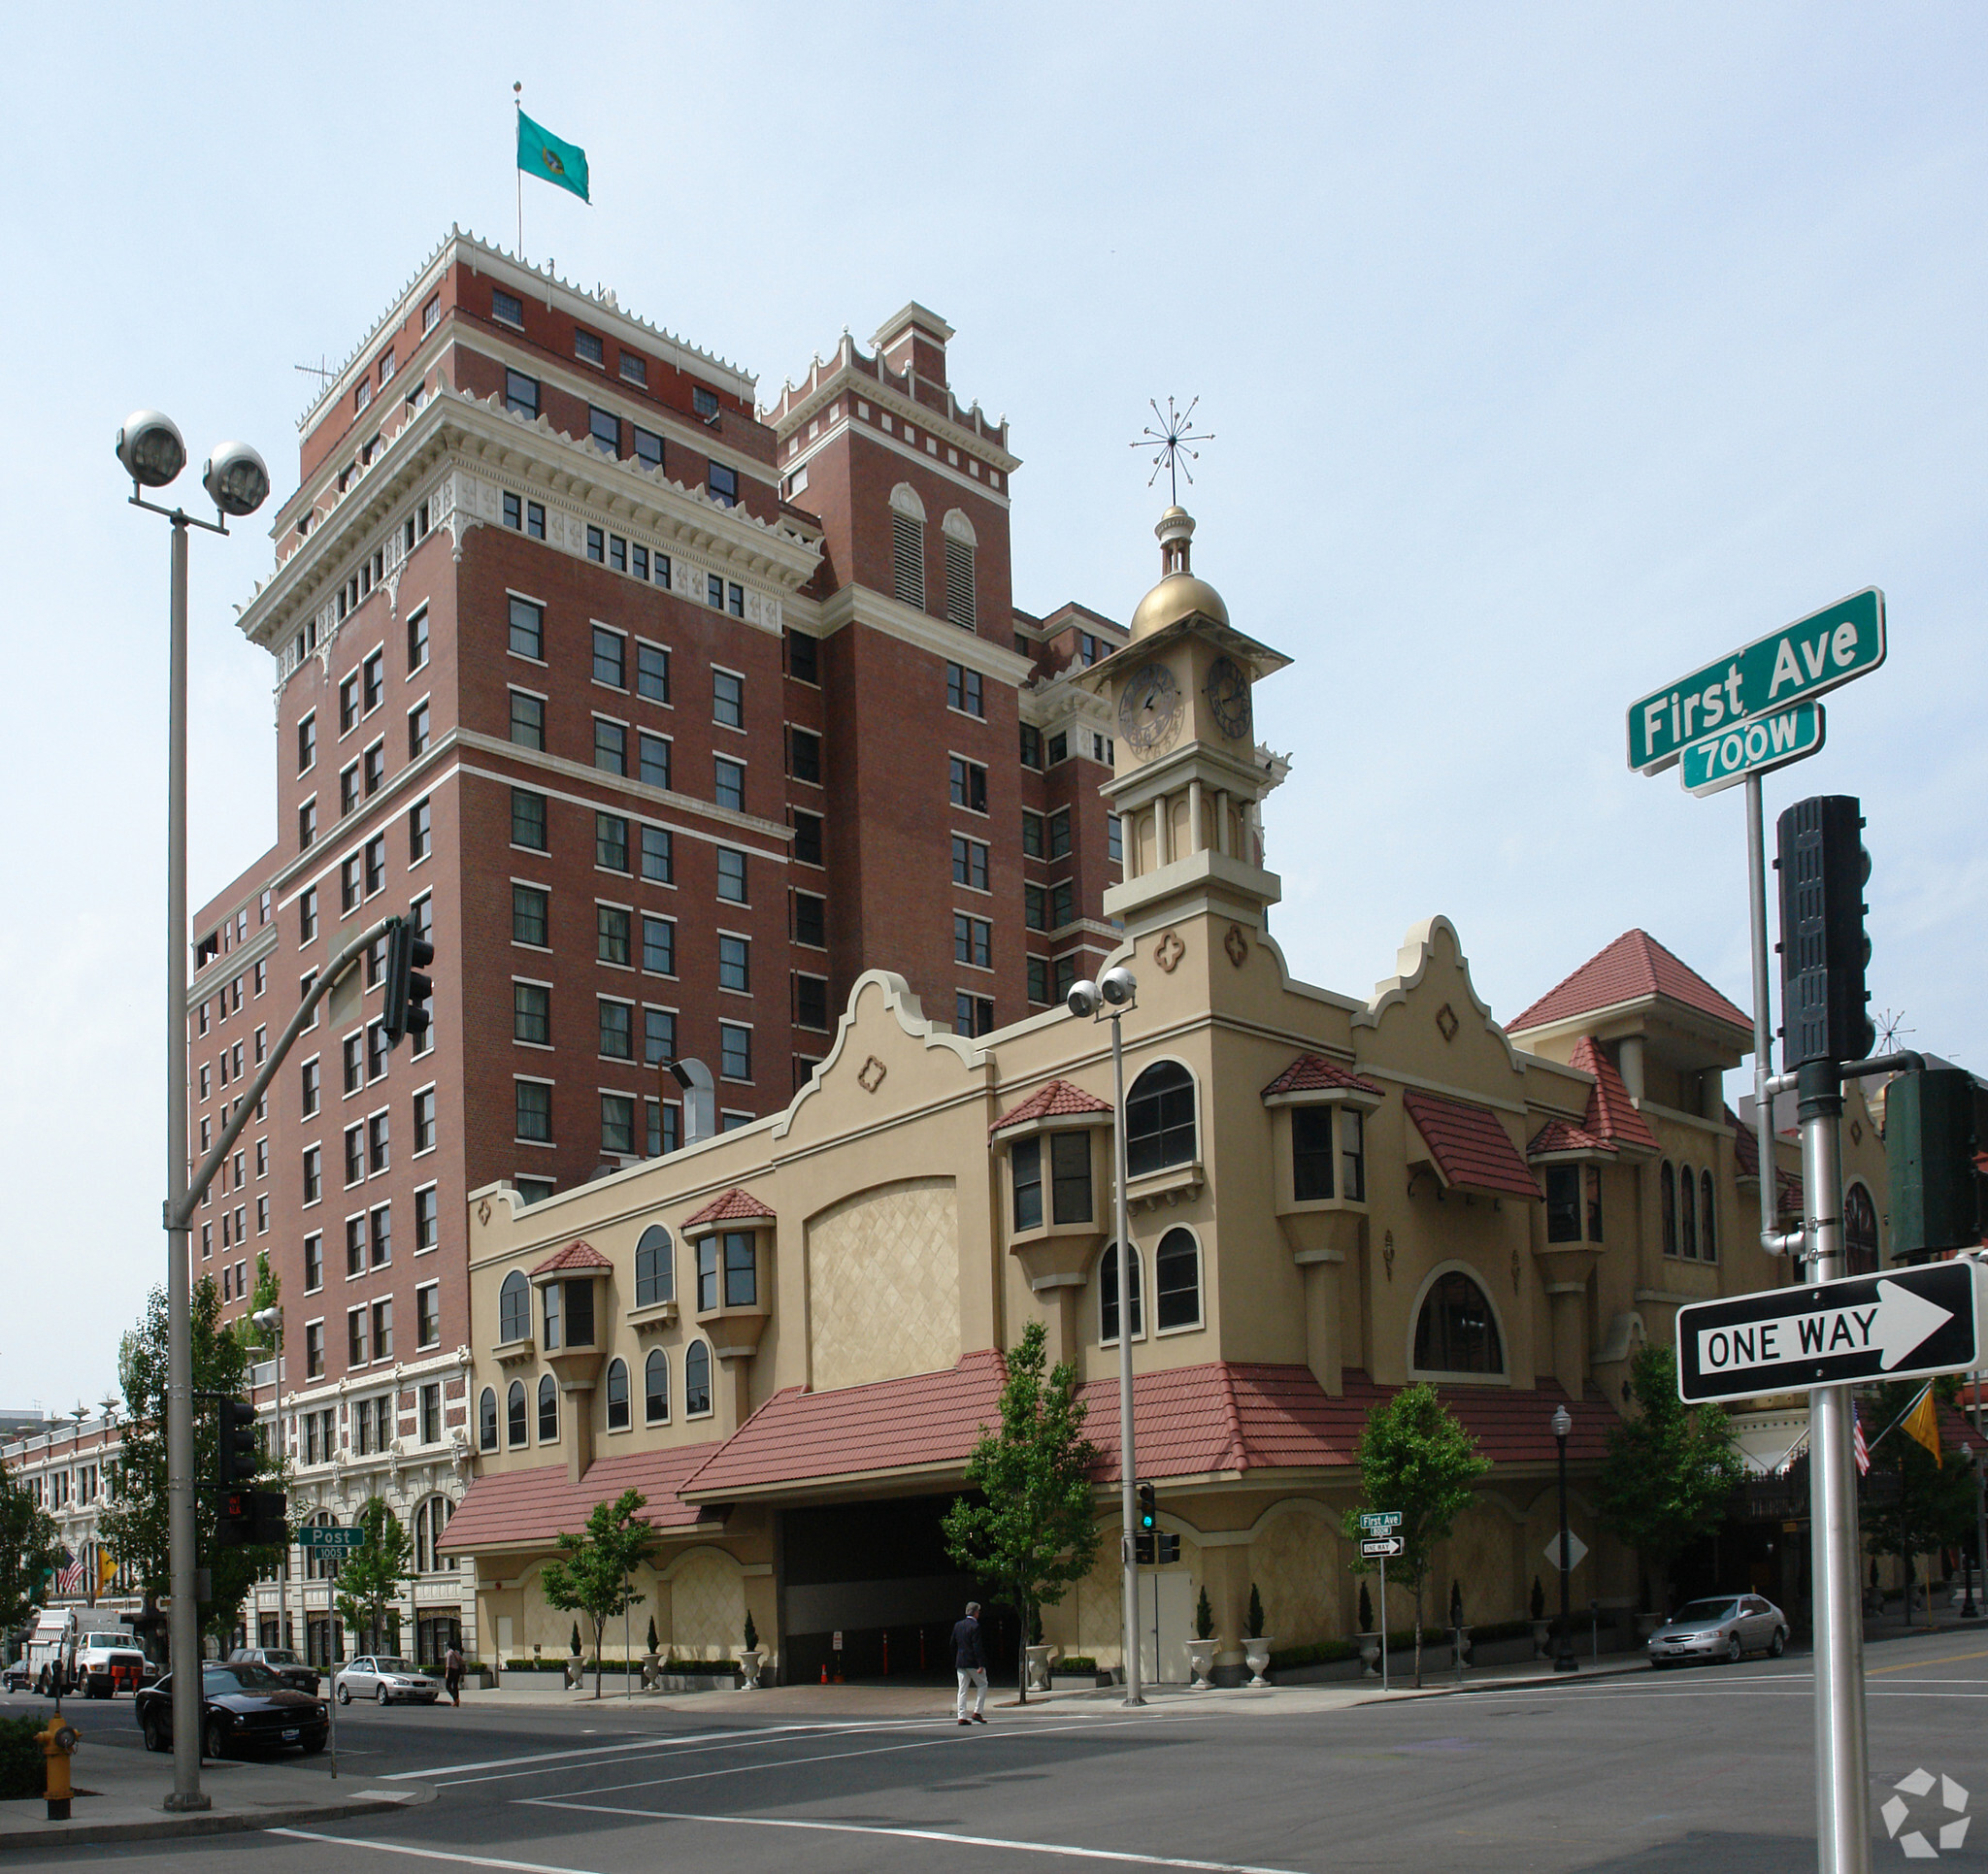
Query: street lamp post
1114	991
237	479
1563	1652
1979	1559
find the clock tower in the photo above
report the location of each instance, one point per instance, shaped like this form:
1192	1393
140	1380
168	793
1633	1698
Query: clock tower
1187	780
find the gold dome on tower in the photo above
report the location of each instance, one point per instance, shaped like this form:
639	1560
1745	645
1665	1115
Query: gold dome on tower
1179	593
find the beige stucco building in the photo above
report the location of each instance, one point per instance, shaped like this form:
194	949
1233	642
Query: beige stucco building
788	1335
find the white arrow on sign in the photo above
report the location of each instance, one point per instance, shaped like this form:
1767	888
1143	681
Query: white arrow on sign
1576	1549
1895	1323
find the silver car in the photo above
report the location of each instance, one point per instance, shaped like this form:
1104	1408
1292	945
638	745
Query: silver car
1722	1628
389	1681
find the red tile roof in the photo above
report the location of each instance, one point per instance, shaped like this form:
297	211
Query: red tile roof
733	1206
533	1506
1557	1136
1468	1144
1312	1072
1610	1114
576	1255
1633	967
1058	1098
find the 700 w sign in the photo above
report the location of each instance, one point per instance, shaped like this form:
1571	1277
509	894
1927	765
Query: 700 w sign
1793	664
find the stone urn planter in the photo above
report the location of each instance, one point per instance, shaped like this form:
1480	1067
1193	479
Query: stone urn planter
1542	1639
1256	1652
1039	1658
652	1665
576	1674
1459	1646
751	1662
1370	1653
1200	1662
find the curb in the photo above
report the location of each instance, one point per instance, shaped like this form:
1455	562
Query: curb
212	1821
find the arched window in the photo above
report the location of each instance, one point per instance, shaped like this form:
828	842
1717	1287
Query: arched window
486	1420
1176	1281
696	1380
1707	1230
1159	1119
514	1308
1457	1332
548	1411
431	1519
1667	1185
618	1395
514	1412
1860	1231
655	1267
1687	1205
1108	1296
907	547
655	1388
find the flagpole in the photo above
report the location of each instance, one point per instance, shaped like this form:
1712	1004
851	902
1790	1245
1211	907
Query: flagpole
517	104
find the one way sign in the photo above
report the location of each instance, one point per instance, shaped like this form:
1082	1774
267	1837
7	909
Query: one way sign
1906	1325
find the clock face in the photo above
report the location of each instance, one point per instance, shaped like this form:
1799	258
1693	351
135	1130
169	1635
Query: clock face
1149	708
1228	697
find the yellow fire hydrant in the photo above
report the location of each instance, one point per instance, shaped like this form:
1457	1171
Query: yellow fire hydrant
58	1745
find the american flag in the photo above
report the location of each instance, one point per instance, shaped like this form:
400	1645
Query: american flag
1862	1449
70	1580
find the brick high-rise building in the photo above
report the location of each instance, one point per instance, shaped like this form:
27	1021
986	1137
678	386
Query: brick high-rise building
666	719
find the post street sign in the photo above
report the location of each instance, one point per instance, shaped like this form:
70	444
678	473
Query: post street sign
1380	1548
1906	1325
315	1536
1576	1549
1379	1521
1757	747
1796	663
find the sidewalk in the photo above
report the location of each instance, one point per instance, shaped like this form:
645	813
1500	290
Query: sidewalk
118	1793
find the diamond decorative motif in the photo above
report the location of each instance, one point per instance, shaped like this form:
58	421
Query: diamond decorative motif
1169	951
884	1285
871	1075
1856	1132
1446	1021
1237	945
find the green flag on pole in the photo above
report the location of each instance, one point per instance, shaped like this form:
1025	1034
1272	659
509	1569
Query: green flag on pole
541	154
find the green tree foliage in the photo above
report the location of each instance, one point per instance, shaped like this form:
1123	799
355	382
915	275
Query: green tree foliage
372	1577
134	1524
29	1551
1933	1506
1671	1469
1035	1531
267	1293
591	1576
1417	1459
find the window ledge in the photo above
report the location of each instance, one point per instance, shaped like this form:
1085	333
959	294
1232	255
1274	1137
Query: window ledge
515	1353
1323	1207
1172	1185
653	1318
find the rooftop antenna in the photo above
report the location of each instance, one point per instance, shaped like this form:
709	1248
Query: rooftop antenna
1891	1024
321	371
1168	437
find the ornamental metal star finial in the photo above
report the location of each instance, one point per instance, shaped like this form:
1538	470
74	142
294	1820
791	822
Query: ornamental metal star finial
1169	443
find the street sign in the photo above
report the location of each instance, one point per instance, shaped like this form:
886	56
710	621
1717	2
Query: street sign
1379	1521
1757	747
1908	1325
1576	1549
1374	1548
1796	663
316	1535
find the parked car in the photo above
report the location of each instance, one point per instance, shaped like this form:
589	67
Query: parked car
243	1706
389	1681
288	1667
1722	1627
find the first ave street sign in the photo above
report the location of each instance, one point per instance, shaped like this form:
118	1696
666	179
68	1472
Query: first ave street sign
1796	663
317	1535
1726	758
1906	1325
1380	1548
1379	1521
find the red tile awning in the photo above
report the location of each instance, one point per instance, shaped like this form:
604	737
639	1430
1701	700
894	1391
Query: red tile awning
732	1206
1469	1146
574	1255
1611	1113
1053	1102
1635	968
528	1508
1314	1074
1557	1138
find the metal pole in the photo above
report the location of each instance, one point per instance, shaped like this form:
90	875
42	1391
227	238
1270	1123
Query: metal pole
1384	1623
331	1653
1127	1455
1771	1238
184	1622
1980	1524
1563	1659
1842	1819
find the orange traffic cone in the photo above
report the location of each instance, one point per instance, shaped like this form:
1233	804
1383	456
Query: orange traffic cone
824	1672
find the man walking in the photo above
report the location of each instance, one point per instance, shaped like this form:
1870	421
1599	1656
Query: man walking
971	1663
452	1673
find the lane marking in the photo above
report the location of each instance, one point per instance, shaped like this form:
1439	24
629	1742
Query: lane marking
426	1853
660	1740
1946	1658
1067	1851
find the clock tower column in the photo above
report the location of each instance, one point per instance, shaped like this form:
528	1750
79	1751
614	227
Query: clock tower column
1187	780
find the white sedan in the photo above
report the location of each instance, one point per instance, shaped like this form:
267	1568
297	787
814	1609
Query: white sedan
389	1681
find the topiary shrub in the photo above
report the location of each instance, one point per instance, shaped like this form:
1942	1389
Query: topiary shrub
572	1646
651	1632
1538	1603
1366	1610
1254	1629
1456	1604
1203	1618
751	1634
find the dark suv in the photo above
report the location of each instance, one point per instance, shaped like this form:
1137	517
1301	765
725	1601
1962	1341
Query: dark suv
284	1663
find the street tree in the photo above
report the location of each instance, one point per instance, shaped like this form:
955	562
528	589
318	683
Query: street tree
369	1578
134	1523
1915	1503
30	1551
592	1575
1416	1458
1032	1529
1670	1470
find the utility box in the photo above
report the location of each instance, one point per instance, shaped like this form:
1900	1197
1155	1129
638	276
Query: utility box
1929	1150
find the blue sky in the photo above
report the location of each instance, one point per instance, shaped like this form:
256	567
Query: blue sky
1549	353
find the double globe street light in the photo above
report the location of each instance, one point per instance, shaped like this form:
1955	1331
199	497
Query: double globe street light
236	477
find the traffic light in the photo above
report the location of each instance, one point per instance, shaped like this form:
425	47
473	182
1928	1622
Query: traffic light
1929	1151
407	990
252	1519
1145	1545
239	1455
1824	950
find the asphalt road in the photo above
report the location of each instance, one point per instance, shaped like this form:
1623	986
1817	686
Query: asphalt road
1706	1770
